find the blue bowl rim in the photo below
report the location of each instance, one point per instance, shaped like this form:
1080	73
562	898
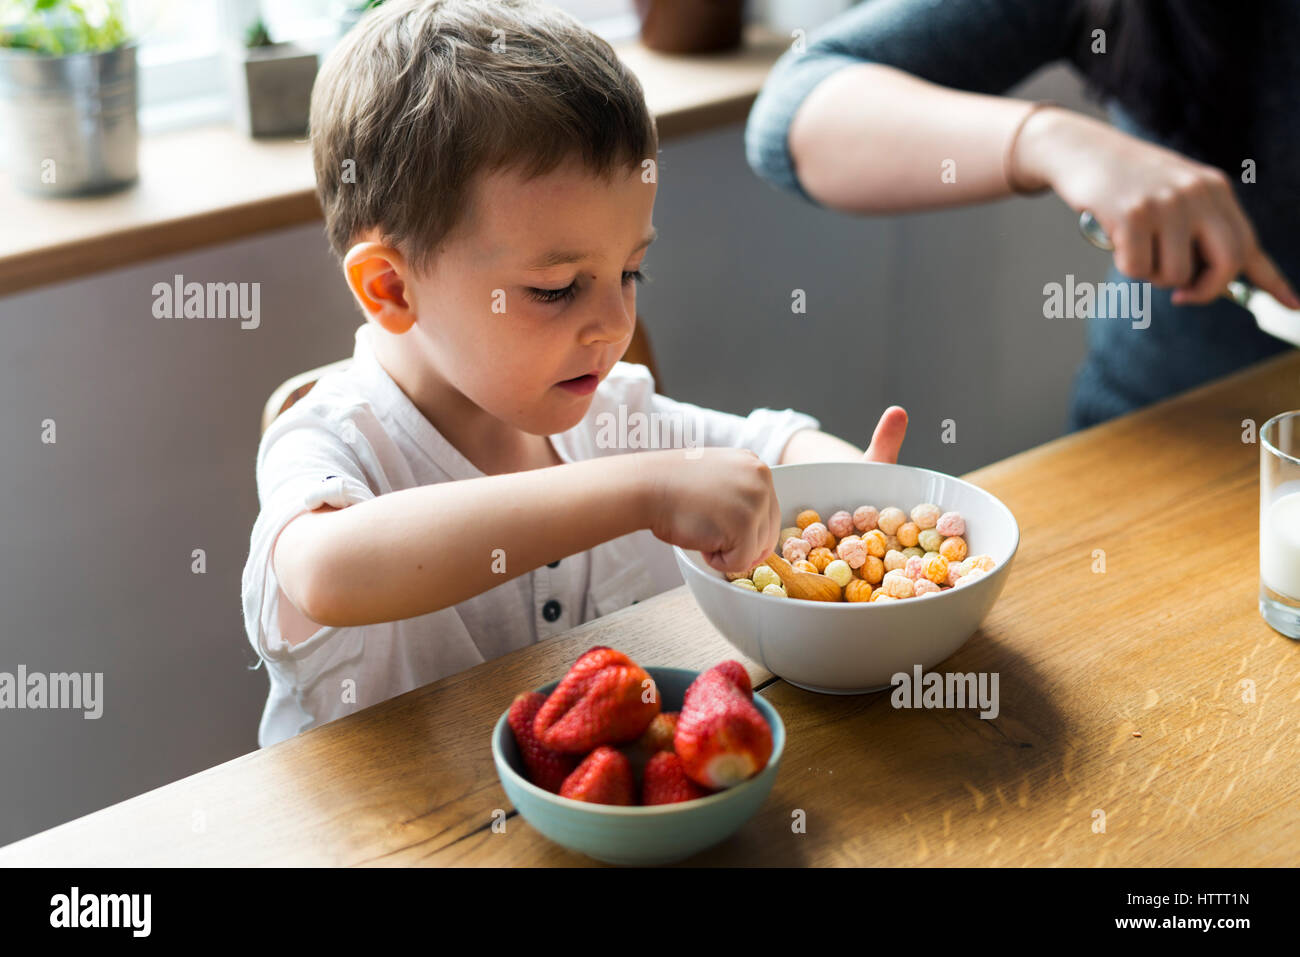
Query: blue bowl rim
934	596
764	707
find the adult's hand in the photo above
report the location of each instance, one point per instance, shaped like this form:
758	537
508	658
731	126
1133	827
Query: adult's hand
1174	222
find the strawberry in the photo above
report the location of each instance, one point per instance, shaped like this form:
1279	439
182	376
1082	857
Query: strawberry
666	781
721	737
602	700
735	672
604	777
546	768
659	735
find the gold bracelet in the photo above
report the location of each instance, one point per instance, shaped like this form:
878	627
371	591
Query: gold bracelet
1008	172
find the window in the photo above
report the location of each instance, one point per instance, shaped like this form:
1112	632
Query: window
184	47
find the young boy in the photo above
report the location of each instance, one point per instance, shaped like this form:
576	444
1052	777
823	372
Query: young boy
461	490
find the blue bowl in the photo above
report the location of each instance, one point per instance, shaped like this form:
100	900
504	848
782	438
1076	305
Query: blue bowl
638	836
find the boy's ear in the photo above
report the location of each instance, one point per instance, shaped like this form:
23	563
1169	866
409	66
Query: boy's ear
376	275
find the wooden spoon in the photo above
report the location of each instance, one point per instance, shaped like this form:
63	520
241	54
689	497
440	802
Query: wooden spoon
803	585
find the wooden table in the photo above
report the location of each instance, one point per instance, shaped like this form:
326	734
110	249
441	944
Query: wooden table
1152	693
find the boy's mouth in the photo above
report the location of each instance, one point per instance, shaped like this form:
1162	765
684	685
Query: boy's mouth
581	385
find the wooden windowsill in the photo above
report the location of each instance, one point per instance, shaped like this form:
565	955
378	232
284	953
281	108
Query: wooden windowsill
210	185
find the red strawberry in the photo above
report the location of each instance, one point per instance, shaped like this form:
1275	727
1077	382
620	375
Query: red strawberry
659	735
546	768
574	684
604	699
604	777
666	781
735	672
721	737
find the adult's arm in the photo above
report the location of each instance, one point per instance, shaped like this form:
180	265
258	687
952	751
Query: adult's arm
893	107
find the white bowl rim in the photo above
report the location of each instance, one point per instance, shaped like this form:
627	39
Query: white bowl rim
638	810
982	581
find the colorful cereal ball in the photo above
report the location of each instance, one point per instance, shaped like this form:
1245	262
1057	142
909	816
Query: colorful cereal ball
909	533
898	586
764	576
913	567
914	551
806	518
873	570
857	590
973	575
936	569
839	572
890	519
794	531
865	518
795	549
852	550
776	591
805	566
816	535
876	542
984	563
926	515
950	523
745	583
894	559
892	542
821	557
840	524
881	596
930	540
953	549
926	587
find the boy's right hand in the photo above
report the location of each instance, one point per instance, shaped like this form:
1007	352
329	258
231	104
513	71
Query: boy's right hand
719	502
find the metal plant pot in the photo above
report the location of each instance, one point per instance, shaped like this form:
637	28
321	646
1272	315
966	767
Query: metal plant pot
68	123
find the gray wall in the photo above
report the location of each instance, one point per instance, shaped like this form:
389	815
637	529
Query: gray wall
157	426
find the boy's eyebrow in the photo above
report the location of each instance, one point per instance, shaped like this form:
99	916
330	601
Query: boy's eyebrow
563	257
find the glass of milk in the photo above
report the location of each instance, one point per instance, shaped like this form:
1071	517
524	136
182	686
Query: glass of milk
1279	523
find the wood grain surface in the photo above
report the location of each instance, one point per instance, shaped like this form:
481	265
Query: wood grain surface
1148	715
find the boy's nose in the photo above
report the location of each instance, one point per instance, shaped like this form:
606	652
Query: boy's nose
610	319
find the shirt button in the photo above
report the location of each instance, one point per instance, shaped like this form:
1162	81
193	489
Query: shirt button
554	564
551	610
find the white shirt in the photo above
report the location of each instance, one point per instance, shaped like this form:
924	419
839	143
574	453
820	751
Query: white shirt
356	435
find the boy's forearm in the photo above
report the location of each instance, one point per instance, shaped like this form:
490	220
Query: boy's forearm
811	445
416	551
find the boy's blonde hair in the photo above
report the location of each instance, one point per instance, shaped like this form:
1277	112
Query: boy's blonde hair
422	95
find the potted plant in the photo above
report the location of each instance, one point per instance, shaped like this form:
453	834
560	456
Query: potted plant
691	26
68	96
273	84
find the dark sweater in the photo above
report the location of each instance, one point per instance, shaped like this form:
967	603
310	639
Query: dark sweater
987	46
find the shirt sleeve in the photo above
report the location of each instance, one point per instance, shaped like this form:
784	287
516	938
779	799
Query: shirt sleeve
982	46
301	466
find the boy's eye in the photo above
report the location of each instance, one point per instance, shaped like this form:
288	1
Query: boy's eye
554	295
571	290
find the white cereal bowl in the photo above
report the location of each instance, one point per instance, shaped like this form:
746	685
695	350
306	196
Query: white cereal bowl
857	647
